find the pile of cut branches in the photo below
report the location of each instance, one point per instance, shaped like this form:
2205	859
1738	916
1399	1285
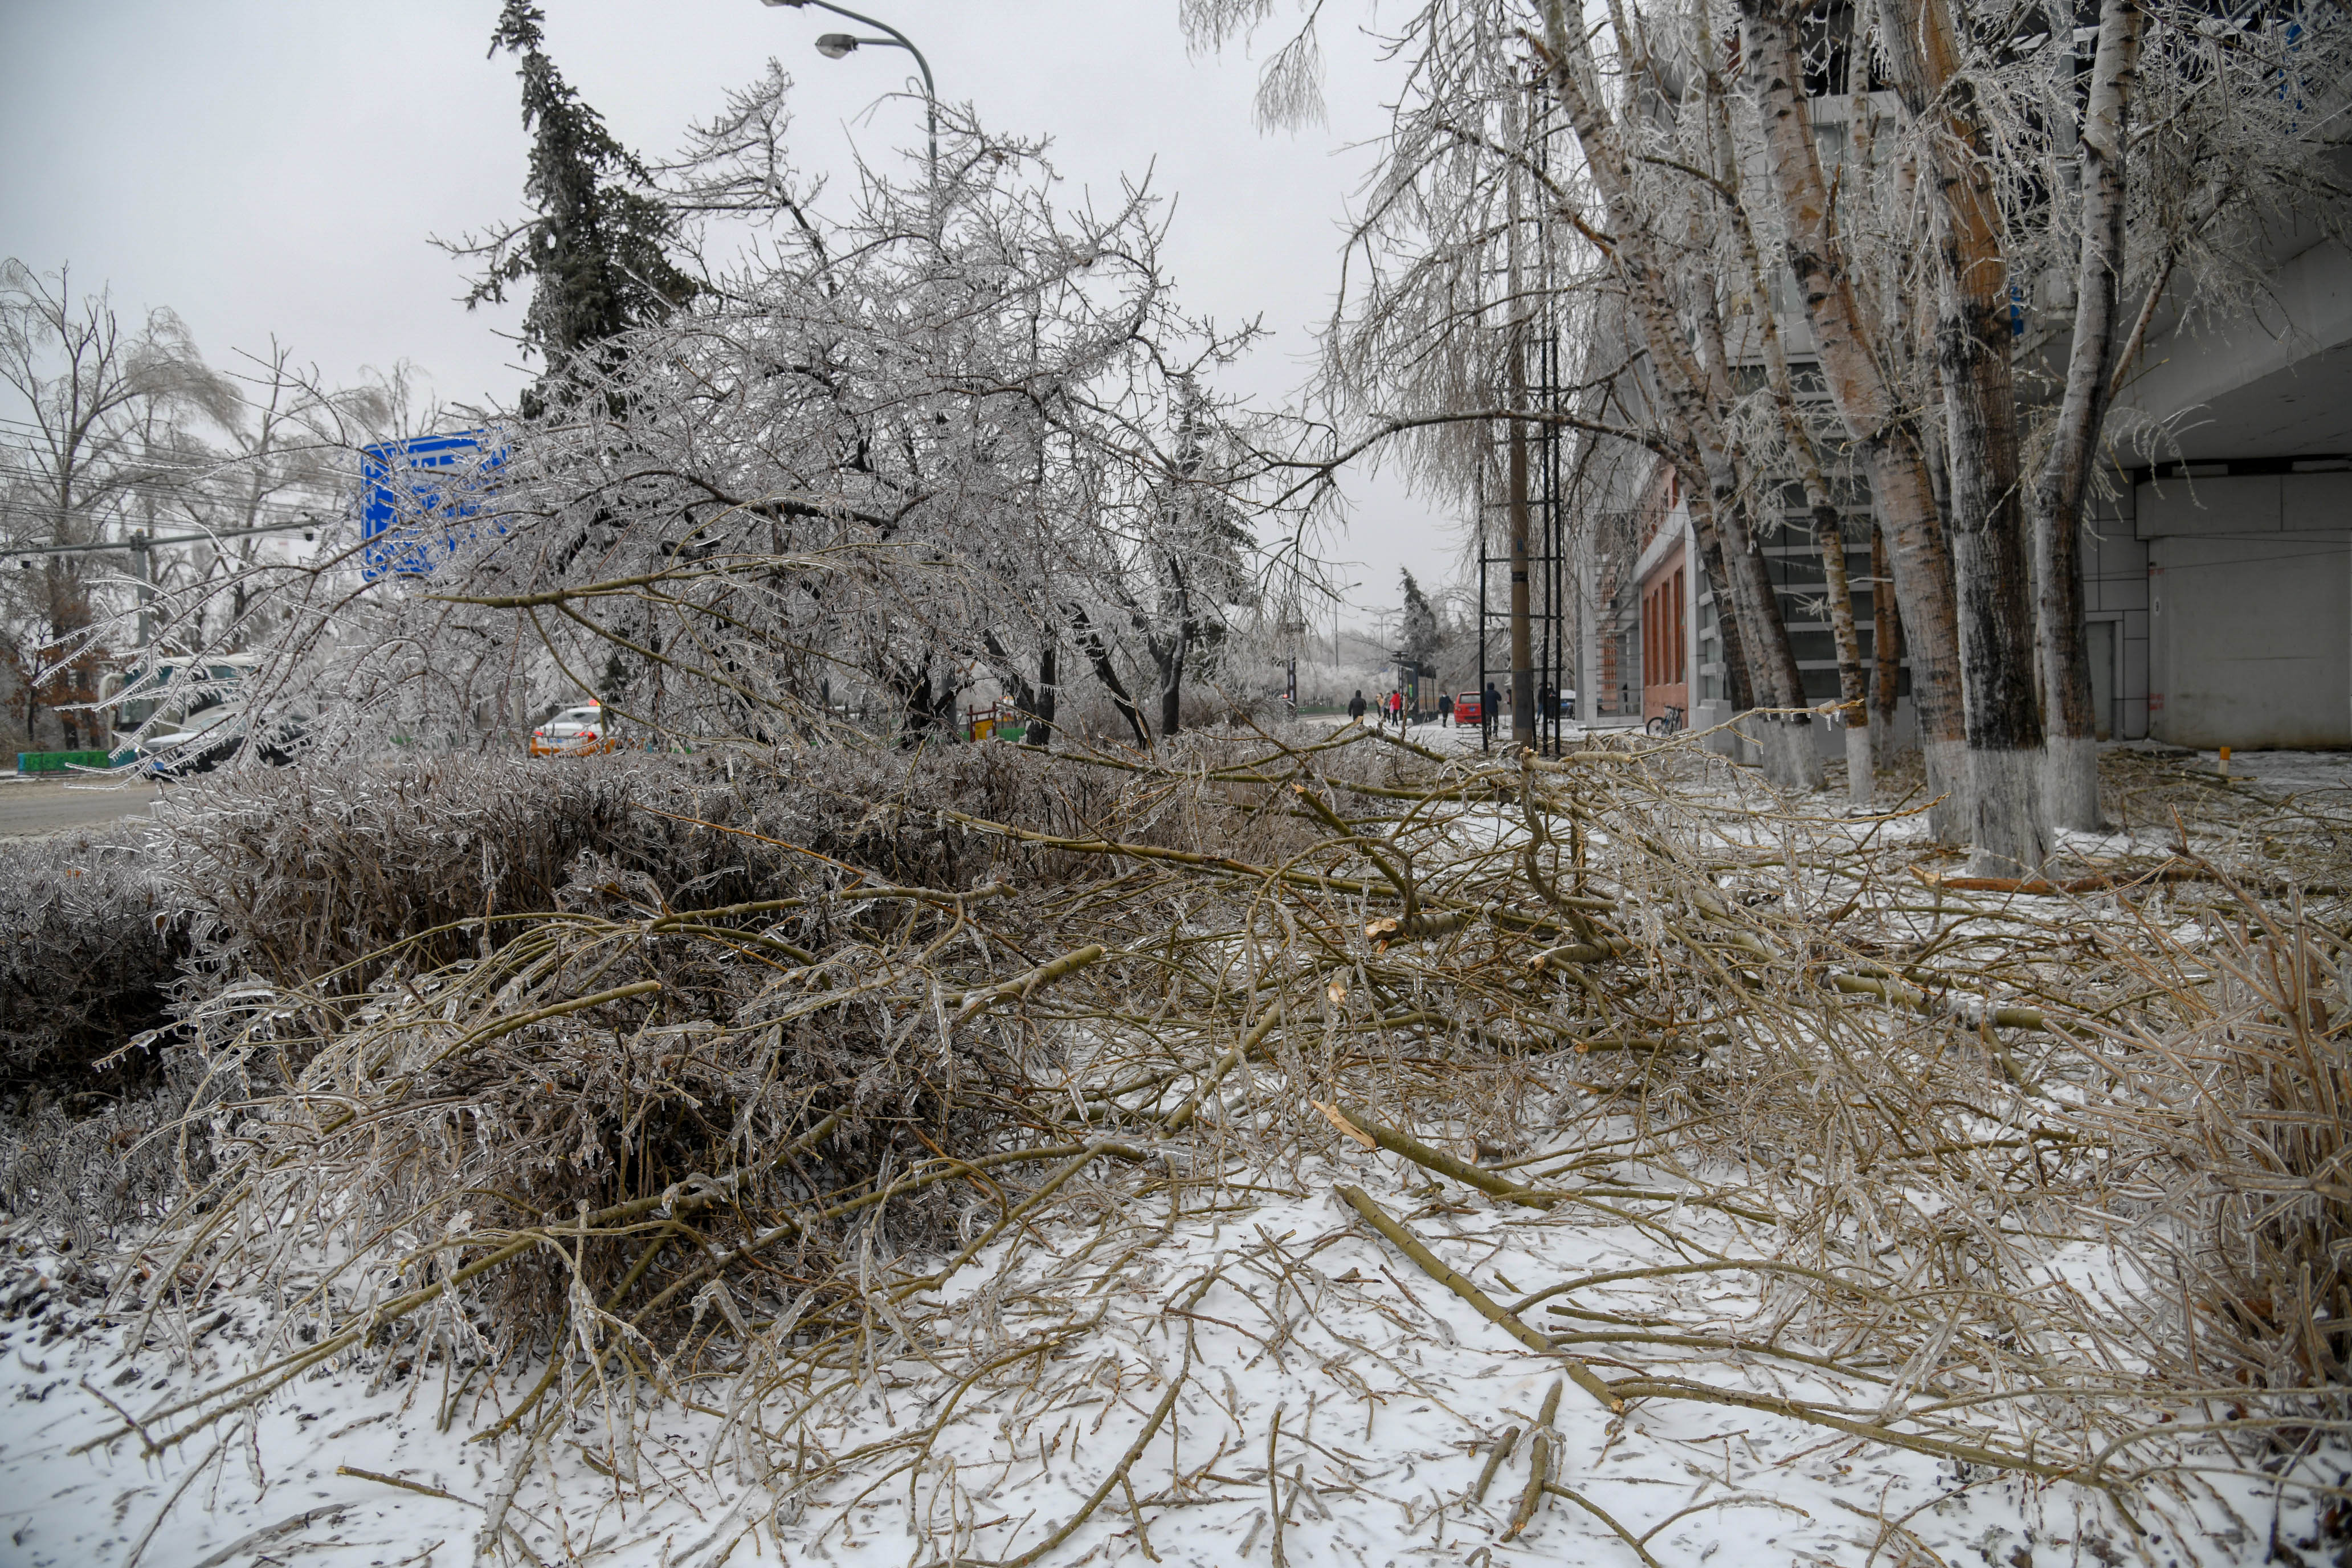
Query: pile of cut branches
742	1155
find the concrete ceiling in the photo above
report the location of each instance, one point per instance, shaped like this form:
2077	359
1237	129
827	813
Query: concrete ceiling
2273	382
2302	409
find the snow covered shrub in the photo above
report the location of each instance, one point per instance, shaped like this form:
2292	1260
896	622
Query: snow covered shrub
777	1032
294	876
89	1181
87	952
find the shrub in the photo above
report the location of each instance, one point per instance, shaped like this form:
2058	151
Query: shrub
88	949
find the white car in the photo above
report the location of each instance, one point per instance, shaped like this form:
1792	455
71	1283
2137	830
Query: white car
574	733
214	735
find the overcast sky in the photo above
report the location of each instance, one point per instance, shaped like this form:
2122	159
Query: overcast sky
268	167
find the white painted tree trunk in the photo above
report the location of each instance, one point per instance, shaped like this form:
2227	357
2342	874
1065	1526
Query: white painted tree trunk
1884	428
1789	760
2070	781
1991	563
2011	838
1860	785
2071	776
1952	816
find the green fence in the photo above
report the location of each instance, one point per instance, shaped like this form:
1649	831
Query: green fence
59	762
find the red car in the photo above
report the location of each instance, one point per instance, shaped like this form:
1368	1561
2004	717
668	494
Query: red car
1466	708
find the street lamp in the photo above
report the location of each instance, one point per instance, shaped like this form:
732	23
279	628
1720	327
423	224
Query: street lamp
833	45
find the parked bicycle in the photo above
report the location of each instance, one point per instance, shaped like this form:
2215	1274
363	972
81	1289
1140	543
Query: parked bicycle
1667	723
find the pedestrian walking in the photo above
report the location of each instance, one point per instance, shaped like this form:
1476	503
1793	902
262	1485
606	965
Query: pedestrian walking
1356	706
1489	712
1444	710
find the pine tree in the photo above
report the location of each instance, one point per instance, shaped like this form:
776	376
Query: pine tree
1417	645
598	245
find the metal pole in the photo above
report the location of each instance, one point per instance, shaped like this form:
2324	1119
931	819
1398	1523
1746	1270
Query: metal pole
1523	692
142	567
1486	719
898	40
26	553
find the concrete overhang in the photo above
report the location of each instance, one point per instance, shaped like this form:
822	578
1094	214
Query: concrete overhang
2273	383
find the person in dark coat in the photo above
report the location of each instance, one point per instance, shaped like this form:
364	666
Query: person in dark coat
1356	706
1490	711
1444	709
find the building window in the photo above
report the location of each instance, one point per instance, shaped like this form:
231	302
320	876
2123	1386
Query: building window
1681	632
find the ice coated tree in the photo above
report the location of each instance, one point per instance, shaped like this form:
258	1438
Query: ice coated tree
94	401
953	428
598	245
1482	215
1937	189
1418	641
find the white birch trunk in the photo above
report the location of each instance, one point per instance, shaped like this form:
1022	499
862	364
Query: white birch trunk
1885	435
1693	400
1988	535
2072	778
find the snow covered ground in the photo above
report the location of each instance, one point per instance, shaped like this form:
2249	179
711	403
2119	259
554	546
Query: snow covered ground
1338	1408
2281	772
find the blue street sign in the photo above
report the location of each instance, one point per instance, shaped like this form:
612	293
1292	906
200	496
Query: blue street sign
415	494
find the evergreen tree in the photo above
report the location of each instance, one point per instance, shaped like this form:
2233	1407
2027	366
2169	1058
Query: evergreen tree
597	247
1417	643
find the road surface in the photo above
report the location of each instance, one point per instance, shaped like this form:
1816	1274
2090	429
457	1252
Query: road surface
30	807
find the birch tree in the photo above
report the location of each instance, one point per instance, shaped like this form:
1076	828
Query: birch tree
1427	351
1803	453
1878	422
2189	149
1972	337
2063	479
2007	177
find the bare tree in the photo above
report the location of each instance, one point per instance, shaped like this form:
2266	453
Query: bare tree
83	452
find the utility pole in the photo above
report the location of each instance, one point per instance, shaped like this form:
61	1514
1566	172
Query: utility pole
142	567
1523	681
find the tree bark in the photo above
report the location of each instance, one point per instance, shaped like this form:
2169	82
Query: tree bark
1973	332
930	709
1729	635
1040	729
1171	683
1090	641
1787	738
1034	703
2072	779
1902	492
1885	649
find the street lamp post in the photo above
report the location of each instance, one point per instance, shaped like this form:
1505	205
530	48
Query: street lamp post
833	45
